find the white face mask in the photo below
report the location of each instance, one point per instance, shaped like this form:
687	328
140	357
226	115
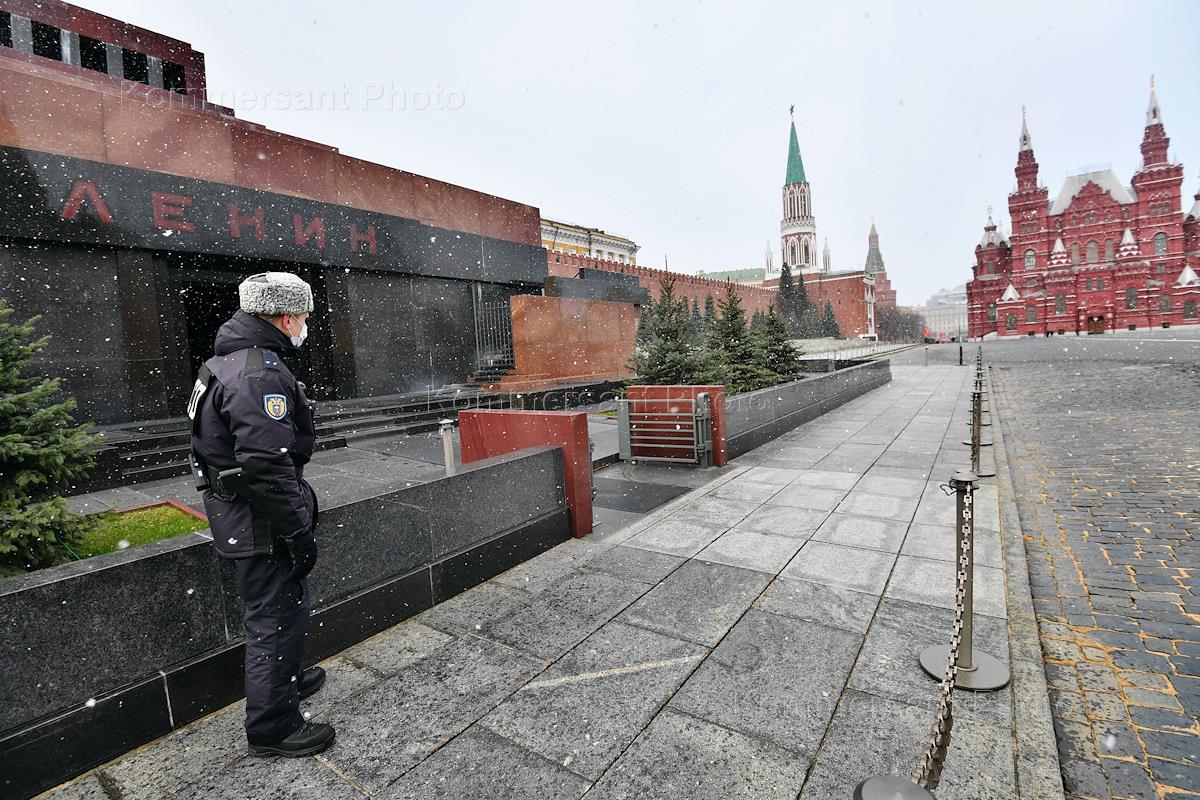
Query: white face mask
299	340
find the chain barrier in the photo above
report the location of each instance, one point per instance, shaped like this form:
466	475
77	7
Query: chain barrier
928	771
959	665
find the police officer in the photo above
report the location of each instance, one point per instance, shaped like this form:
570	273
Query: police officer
252	434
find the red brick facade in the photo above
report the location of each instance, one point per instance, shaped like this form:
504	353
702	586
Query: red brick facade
691	287
1101	256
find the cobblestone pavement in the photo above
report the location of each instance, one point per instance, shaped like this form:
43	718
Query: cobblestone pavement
1105	453
754	638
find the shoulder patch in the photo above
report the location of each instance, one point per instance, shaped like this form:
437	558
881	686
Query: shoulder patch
276	405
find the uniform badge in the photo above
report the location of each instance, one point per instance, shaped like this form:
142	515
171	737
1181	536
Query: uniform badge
276	405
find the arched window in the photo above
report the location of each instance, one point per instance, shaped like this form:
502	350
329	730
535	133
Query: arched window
1031	315
1189	309
1131	297
991	312
1164	304
1060	304
1093	252
804	253
1075	253
1030	259
1108	250
1160	244
793	254
1010	323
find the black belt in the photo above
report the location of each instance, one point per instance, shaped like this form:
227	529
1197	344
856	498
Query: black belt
229	494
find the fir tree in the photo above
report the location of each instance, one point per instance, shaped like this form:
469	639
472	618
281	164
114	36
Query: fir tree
811	326
697	319
775	353
732	348
710	312
830	323
643	326
756	321
671	355
42	452
788	309
801	295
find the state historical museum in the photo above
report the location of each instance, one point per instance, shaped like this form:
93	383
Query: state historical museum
1100	256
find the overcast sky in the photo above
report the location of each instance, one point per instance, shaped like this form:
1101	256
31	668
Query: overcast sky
668	124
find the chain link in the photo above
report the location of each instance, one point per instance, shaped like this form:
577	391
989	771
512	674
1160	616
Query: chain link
928	771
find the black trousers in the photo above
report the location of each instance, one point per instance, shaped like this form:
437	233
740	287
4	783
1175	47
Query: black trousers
276	625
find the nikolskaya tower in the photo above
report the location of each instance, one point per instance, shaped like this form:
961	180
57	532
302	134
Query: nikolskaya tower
798	230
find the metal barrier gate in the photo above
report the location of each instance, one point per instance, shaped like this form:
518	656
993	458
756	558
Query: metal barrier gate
493	333
678	431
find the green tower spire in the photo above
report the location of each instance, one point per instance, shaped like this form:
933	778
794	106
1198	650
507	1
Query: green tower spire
795	167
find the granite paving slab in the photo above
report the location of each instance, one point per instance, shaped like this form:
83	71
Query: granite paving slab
86	787
635	564
699	602
392	650
825	479
636	496
542	571
800	496
182	758
587	708
937	541
394	725
773	677
799	523
299	778
877	482
777	475
872	533
469	611
566	613
676	536
888	665
886	506
751	550
742	489
877	736
931	581
815	602
837	565
711	510
481	764
679	756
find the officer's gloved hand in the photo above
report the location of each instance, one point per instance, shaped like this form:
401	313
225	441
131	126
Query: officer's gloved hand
303	549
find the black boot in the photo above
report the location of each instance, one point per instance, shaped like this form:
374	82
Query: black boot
309	739
311	681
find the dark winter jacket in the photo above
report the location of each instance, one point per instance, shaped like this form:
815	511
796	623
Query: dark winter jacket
254	415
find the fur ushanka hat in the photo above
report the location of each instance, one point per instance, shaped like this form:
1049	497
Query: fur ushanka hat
273	293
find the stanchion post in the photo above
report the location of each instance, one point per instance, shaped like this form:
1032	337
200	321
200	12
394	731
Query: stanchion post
977	671
447	428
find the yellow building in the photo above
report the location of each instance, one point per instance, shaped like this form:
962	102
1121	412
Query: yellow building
562	237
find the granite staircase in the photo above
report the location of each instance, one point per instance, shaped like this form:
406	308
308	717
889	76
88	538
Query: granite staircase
159	449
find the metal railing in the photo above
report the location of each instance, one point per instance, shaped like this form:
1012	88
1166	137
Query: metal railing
493	333
678	431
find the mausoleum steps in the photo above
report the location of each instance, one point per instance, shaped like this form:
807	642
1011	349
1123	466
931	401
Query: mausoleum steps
158	449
